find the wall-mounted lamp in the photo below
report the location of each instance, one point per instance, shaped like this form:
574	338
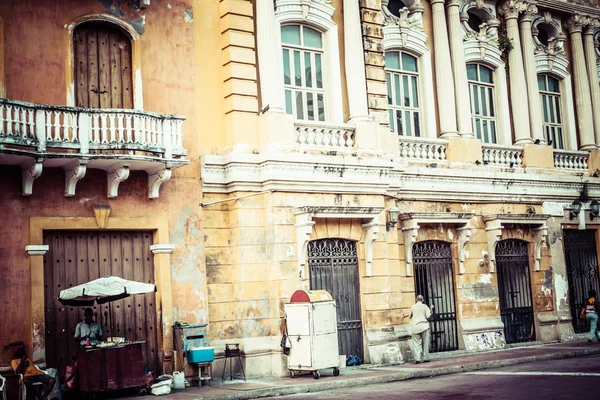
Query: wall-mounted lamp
393	214
594	209
575	209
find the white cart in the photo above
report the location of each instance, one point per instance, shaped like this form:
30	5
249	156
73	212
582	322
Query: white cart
312	330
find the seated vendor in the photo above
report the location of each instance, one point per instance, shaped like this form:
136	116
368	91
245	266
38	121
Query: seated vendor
88	328
32	375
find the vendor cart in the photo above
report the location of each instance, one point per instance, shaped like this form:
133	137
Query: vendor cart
311	323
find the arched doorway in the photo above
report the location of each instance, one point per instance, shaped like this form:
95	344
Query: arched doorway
514	289
434	279
333	266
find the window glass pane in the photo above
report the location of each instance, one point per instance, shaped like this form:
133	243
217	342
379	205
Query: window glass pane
299	106
312	38
553	85
483	103
415	92
491	100
541	82
406	88
407	123
560	144
286	67
399	122
545	108
409	63
321	107
297	69
557	104
486	133
391	117
397	89
485	74
476	99
288	102
391	60
493	131
471	88
290	34
319	71
310	106
307	69
551	107
389	87
472	72
417	124
478	128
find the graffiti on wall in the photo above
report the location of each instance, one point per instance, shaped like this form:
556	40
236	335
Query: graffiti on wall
485	341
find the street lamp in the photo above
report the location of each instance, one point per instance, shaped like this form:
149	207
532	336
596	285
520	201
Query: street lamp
393	214
594	209
575	209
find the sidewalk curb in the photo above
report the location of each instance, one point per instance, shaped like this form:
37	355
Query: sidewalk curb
394	377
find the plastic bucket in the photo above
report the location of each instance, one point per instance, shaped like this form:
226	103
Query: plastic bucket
178	380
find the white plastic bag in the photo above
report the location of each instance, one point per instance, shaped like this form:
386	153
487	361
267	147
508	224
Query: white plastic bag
161	388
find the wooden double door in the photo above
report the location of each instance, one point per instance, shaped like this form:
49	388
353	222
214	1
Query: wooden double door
76	257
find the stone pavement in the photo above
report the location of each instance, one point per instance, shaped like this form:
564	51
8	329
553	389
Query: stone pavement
441	364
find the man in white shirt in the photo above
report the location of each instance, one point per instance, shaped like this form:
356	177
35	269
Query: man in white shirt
419	315
88	328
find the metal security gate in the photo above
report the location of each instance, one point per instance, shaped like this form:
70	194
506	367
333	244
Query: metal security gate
514	287
434	279
333	267
582	270
74	258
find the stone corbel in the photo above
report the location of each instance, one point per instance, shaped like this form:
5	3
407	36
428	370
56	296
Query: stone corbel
156	179
410	234
162	248
30	172
37	249
74	172
494	233
371	231
541	238
464	236
304	226
115	176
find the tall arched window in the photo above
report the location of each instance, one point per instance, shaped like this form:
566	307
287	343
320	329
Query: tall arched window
403	93
483	109
551	110
103	77
303	72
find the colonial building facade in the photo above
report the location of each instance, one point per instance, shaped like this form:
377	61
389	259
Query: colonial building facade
377	149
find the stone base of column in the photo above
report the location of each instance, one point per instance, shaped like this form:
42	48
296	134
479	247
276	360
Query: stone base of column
594	160
461	149
368	136
538	156
276	130
448	135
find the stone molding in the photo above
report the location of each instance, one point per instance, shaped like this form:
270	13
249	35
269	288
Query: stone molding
162	248
304	225
410	228
494	225
37	249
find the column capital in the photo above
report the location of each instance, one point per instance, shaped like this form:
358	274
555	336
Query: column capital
452	3
530	11
576	22
592	27
512	8
437	1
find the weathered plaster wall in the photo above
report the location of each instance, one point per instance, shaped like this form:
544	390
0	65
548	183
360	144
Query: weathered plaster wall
170	85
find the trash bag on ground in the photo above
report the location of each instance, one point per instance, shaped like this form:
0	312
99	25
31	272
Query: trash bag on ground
352	361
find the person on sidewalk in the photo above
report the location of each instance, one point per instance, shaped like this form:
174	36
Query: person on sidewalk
419	315
592	308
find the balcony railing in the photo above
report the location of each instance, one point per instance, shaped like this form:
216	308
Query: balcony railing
571	159
505	156
423	149
90	131
323	135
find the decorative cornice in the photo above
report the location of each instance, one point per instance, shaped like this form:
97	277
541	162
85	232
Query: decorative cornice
568	7
338	211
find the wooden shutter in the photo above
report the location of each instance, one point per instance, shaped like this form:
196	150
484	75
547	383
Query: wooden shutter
102	66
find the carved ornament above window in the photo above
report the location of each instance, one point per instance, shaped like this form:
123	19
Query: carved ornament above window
479	21
547	35
406	14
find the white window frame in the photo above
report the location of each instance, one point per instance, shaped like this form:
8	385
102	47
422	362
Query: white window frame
485	102
303	88
413	42
401	73
551	110
317	15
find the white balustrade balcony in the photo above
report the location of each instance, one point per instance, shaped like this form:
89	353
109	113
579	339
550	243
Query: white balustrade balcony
571	159
503	156
325	136
34	136
422	149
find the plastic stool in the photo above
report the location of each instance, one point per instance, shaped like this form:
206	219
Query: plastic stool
204	373
231	351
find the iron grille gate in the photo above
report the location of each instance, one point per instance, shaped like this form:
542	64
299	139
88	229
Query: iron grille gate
582	271
434	279
514	287
333	266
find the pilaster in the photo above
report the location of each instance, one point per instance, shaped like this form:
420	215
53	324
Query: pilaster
592	69
269	57
356	82
583	98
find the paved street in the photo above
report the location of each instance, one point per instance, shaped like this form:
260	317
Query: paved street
548	380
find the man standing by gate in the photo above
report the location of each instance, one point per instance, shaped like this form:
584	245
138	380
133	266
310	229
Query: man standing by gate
419	315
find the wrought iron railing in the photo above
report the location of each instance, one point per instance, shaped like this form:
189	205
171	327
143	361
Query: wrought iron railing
325	135
88	130
509	156
423	149
571	159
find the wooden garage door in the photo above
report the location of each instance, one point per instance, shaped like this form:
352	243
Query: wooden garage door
78	257
102	66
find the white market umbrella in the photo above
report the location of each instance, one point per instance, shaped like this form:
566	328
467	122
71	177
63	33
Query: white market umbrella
103	290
